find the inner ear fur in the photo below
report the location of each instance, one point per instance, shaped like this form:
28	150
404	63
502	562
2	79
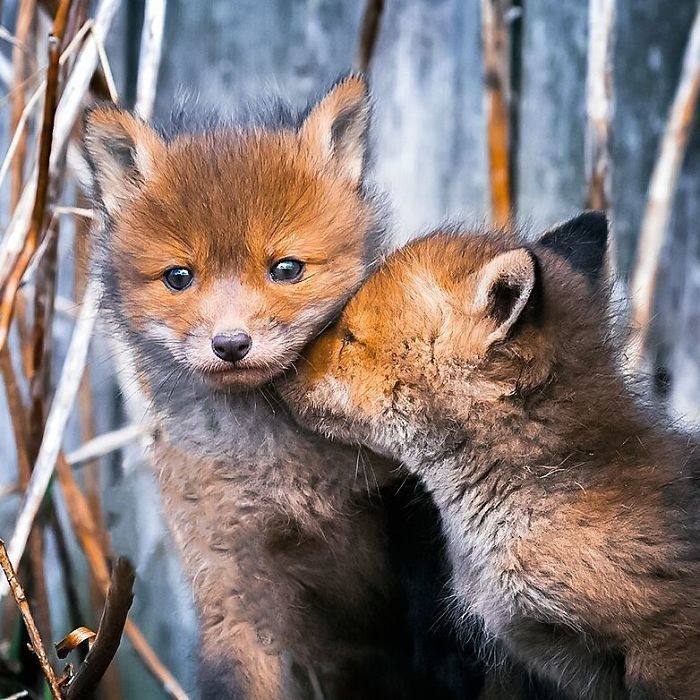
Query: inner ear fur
335	130
504	286
123	152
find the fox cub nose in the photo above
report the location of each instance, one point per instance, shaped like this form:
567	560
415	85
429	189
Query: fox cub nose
231	348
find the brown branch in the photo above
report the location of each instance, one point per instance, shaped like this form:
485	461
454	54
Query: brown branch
369	31
662	188
88	534
34	636
497	77
109	633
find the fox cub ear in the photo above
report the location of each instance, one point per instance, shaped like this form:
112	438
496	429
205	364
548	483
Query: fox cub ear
122	151
503	288
335	130
582	242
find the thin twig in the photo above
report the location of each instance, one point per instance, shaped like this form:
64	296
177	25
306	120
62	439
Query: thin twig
104	444
369	31
497	76
106	69
662	188
149	58
56	422
34	636
109	633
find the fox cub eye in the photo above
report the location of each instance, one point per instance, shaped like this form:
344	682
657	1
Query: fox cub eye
178	278
287	270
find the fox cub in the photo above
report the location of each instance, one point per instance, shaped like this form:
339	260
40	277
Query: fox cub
488	367
223	249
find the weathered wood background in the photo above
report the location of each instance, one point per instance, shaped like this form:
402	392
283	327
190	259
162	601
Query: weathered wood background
430	157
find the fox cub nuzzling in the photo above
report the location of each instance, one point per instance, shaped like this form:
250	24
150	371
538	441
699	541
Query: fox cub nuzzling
222	250
488	367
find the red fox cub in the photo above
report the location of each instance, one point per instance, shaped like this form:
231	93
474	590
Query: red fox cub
488	367
223	249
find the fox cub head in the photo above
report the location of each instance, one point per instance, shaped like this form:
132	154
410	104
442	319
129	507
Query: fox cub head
223	251
449	327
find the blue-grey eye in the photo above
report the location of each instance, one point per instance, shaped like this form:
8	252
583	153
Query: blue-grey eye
178	278
287	270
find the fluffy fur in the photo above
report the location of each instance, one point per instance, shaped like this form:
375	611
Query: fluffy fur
490	369
282	533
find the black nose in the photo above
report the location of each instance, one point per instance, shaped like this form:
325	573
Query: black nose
231	348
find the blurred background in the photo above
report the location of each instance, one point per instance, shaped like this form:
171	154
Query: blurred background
432	121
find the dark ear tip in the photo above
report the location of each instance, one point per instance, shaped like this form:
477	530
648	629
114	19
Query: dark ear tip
582	241
594	221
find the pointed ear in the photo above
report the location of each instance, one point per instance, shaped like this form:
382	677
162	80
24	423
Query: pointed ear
122	151
582	242
503	288
335	130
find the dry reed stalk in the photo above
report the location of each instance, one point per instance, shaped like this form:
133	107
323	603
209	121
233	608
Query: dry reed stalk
662	188
369	31
599	103
66	115
497	77
25	17
34	636
149	57
38	216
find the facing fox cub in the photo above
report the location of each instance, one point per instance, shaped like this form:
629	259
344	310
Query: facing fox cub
223	250
488	367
